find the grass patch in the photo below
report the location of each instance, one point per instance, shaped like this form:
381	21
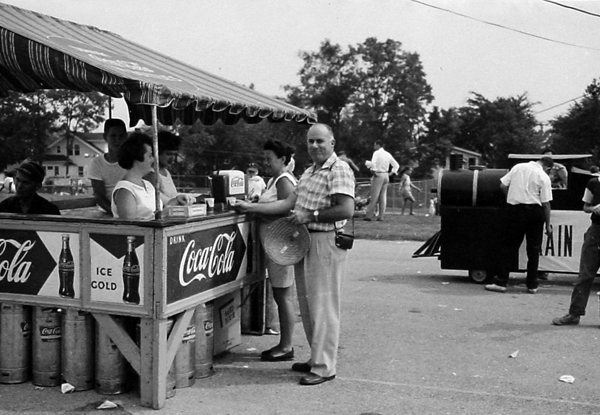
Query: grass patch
396	227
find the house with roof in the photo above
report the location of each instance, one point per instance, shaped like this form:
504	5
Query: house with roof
63	170
466	158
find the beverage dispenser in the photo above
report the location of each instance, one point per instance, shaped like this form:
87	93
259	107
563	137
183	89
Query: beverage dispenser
228	183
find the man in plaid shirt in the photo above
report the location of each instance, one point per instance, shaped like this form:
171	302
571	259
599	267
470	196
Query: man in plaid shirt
323	200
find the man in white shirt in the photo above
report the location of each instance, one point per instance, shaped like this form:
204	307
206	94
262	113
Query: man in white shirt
528	194
380	166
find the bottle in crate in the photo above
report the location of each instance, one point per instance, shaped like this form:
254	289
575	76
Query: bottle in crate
15	343
77	357
47	342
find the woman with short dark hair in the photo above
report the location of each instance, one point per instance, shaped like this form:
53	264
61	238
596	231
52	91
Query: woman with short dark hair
168	150
134	197
277	156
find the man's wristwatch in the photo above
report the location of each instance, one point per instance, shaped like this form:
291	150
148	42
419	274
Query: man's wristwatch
316	215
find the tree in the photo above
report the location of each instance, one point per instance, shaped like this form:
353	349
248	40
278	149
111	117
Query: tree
497	128
76	112
372	91
327	81
392	95
25	124
579	130
435	144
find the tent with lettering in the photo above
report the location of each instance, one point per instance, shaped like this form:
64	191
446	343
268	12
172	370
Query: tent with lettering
42	52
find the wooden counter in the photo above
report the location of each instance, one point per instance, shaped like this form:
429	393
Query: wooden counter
183	263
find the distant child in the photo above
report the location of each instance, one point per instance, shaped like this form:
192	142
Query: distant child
256	184
406	187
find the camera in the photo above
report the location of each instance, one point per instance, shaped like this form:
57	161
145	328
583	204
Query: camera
343	240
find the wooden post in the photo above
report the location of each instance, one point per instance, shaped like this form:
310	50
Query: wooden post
157	211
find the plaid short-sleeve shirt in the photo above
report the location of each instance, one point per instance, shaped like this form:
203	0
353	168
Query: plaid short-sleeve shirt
316	188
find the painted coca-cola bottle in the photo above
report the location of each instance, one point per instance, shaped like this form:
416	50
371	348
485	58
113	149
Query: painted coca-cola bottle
131	274
66	270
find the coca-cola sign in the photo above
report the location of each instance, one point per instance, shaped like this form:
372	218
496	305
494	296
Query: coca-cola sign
25	263
202	260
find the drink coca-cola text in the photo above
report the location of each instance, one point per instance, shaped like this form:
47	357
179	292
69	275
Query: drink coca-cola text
207	262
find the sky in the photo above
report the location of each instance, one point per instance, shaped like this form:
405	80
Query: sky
532	47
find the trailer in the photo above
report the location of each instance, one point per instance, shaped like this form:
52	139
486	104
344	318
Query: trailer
474	215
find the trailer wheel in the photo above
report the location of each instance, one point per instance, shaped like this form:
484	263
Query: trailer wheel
478	275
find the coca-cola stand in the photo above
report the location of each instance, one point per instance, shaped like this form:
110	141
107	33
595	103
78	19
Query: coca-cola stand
183	263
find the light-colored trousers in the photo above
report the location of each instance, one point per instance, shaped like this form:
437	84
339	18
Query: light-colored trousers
379	185
319	285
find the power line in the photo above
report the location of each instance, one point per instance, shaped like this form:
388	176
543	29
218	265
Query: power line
572	8
558	105
504	27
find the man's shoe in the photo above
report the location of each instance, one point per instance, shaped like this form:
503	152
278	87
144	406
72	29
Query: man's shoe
566	320
532	290
542	276
314	379
495	288
301	367
268	356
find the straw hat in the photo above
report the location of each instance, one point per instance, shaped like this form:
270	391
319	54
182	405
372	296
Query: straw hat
284	242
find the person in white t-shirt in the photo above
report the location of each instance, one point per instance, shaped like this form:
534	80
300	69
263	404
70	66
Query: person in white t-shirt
104	171
256	184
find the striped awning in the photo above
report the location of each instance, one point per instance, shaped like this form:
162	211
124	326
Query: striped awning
41	52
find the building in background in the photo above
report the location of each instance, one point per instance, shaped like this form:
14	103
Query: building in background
469	158
86	146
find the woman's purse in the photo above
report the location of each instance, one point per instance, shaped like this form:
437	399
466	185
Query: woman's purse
344	240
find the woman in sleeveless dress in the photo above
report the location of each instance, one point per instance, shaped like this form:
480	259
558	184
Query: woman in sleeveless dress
282	183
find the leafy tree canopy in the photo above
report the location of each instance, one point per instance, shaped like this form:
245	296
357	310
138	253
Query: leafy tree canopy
28	121
371	91
578	131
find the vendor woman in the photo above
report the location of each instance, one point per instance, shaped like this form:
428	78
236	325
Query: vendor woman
168	150
134	197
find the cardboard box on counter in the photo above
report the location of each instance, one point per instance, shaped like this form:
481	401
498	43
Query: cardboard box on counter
185	211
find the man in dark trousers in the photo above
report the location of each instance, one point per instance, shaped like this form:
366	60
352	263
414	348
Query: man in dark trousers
28	180
528	194
590	257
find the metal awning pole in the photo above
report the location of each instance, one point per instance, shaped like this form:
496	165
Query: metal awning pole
157	211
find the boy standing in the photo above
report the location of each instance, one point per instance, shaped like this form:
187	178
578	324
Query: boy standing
104	171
